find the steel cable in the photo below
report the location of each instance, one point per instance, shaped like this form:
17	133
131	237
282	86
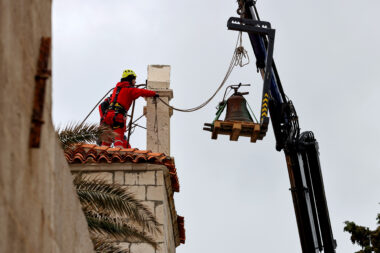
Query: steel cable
237	60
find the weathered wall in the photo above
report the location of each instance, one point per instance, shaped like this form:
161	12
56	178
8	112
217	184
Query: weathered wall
39	211
158	117
151	184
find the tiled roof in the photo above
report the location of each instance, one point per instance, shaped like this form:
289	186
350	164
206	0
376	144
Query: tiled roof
91	153
181	228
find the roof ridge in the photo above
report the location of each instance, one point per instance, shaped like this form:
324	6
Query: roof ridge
91	153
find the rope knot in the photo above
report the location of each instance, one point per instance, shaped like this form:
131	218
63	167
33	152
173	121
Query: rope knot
240	50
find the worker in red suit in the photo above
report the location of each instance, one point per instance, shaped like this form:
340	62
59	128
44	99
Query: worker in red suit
121	99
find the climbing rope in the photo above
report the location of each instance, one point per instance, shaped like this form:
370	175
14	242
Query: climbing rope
241	53
237	60
133	123
88	115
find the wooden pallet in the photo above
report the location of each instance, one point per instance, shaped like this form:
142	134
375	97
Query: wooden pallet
235	129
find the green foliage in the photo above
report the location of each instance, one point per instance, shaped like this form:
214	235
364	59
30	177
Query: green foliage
114	215
117	228
102	245
87	133
101	197
368	239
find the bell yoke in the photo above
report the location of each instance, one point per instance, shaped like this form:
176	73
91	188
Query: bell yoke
113	111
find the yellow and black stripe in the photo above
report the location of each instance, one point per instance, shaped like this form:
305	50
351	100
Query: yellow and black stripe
264	107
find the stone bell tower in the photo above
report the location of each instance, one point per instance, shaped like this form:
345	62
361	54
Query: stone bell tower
151	174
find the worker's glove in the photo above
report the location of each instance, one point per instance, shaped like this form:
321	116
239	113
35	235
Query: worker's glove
156	96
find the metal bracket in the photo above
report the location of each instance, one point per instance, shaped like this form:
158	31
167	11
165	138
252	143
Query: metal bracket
43	73
261	28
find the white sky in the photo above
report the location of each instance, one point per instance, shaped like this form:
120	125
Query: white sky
234	195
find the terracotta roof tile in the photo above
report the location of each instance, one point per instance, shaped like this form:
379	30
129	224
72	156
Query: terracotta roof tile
101	147
142	151
181	228
90	160
129	149
89	153
155	154
116	159
102	159
88	145
113	149
140	158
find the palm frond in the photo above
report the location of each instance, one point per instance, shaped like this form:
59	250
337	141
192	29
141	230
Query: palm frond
102	245
113	198
87	133
117	228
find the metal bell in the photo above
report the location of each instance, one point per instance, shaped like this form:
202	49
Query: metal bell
237	109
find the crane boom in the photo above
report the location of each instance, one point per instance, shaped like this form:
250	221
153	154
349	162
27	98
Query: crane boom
301	149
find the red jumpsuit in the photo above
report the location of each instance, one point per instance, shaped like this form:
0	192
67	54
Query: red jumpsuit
117	118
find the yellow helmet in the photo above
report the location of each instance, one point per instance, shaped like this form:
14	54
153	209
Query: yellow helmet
128	72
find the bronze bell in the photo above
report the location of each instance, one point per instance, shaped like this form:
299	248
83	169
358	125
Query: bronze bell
237	109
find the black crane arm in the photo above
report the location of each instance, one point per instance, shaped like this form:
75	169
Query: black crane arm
301	149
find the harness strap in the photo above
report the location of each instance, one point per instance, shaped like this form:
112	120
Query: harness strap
118	108
114	104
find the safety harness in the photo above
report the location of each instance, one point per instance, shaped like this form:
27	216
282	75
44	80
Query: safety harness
114	105
118	108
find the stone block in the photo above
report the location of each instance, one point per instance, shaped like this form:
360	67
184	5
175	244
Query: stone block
158	76
147	178
139	166
123	245
160	213
155	193
161	248
130	178
138	191
150	205
160	237
106	176
119	177
159	178
141	248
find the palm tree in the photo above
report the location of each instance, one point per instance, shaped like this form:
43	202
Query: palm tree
113	214
74	133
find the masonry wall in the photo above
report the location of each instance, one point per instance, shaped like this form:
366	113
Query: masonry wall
39	211
158	114
151	184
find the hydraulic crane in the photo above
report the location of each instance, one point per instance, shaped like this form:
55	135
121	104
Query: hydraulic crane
301	149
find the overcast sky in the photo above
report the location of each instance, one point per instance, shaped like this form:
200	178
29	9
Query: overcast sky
234	195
